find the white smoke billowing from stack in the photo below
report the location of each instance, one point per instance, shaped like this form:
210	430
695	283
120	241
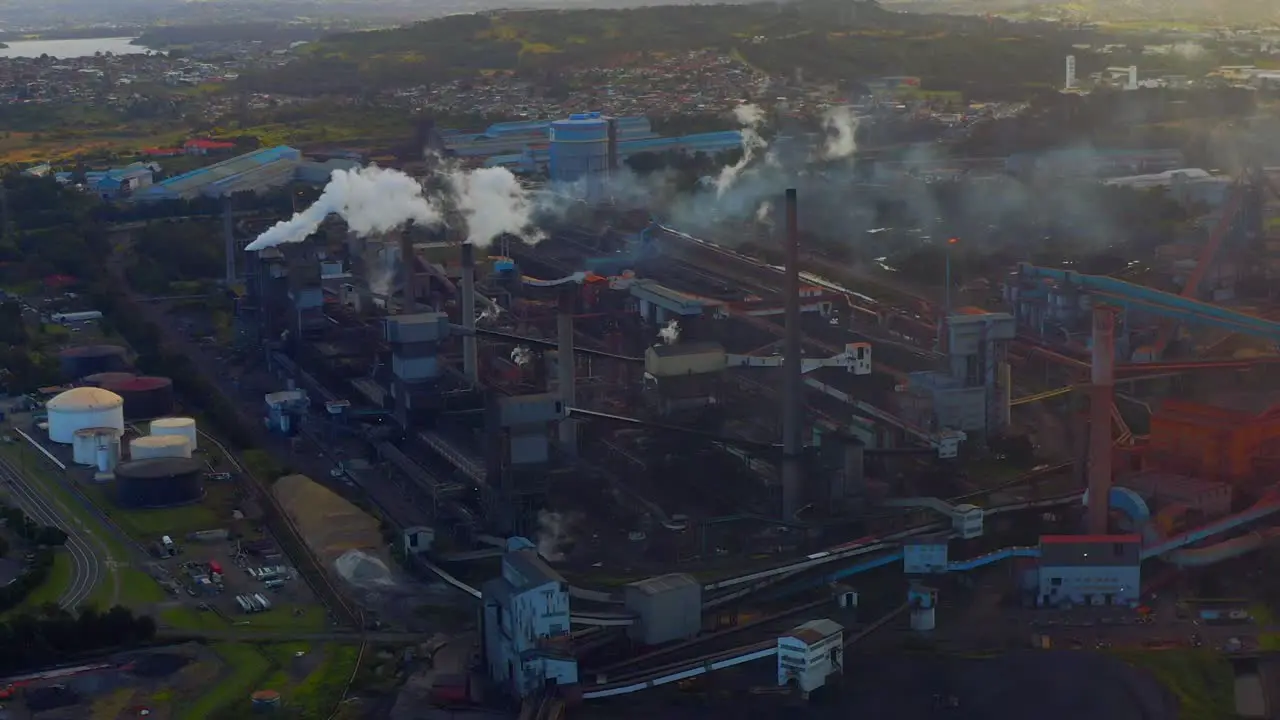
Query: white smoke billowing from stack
751	118
841	126
553	533
370	199
670	333
376	200
521	356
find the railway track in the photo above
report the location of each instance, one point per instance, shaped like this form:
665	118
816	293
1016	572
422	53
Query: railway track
87	561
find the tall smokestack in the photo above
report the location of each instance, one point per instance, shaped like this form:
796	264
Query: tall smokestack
229	239
565	368
1071	72
792	403
1100	401
469	360
407	270
613	146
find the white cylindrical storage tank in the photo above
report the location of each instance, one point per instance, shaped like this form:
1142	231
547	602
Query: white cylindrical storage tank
159	446
84	446
108	454
81	408
184	426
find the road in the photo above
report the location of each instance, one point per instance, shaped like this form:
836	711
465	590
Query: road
249	633
88	558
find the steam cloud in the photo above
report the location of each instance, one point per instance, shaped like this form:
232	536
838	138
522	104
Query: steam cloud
670	333
751	118
553	533
377	200
841	126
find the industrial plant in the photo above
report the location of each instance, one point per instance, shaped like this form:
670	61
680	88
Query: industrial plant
595	392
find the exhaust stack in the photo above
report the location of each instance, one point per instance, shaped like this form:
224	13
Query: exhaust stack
407	269
1101	397
565	374
613	146
792	402
470	362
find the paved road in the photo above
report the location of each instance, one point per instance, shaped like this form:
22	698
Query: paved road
88	559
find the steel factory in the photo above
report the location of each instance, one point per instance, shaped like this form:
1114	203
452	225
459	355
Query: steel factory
626	401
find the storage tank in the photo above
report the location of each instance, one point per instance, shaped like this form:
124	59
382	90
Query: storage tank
579	148
144	396
106	378
265	701
84	407
78	362
107	456
86	441
184	426
158	482
148	447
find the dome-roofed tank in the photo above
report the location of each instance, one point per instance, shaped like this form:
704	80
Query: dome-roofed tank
84	407
184	426
77	362
148	447
106	378
144	396
158	482
86	441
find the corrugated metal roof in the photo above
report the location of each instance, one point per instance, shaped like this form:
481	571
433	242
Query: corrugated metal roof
226	169
815	631
665	583
532	568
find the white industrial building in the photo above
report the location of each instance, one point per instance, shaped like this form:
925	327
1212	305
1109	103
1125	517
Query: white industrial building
1089	570
82	408
810	653
1188	185
525	620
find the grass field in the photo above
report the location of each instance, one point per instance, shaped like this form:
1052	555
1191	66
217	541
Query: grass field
246	666
310	679
1201	680
282	618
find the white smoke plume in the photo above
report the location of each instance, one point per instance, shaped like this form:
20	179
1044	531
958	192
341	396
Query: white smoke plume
493	203
841	126
376	200
764	213
371	200
751	118
670	333
521	355
553	532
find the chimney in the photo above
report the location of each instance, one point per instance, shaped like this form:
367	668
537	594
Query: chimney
407	270
565	368
1100	402
229	239
469	360
792	402
613	146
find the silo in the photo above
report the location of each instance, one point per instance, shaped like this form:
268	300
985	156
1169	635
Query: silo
184	426
144	396
265	701
84	407
78	362
158	482
86	441
579	150
106	378
150	447
108	454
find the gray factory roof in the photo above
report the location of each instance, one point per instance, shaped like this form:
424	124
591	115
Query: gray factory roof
690	348
815	631
532	568
665	583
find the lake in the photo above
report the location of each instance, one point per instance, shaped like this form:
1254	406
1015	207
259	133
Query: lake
83	47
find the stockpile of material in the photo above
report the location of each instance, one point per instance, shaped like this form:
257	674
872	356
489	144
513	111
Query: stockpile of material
330	525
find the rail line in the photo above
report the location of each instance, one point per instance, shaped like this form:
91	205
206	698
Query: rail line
87	562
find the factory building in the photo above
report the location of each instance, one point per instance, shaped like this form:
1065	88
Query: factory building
684	376
1089	570
809	654
667	608
255	171
1164	490
525	621
972	394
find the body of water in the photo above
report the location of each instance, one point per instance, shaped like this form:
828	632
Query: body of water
83	47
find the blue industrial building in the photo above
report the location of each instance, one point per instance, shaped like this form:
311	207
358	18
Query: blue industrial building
258	170
525	621
579	149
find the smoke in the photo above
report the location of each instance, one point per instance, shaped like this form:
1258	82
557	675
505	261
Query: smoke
751	118
521	356
493	203
553	533
375	200
371	200
764	214
841	126
670	333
